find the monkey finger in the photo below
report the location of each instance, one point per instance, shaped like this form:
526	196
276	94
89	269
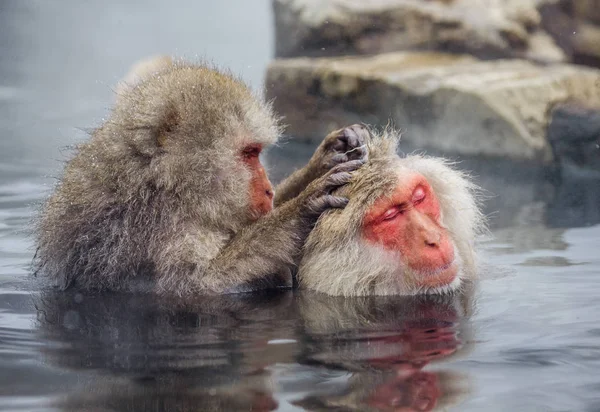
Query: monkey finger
349	137
342	136
336	180
350	166
339	145
339	158
352	137
320	204
363	134
337	202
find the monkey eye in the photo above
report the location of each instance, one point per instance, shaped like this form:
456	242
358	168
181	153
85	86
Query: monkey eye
391	213
418	195
251	151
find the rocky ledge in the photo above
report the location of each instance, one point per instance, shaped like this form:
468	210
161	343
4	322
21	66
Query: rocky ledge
454	103
483	28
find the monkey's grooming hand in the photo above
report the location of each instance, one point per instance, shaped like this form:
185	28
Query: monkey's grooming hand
317	197
341	146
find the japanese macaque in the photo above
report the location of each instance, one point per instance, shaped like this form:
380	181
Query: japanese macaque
408	229
169	194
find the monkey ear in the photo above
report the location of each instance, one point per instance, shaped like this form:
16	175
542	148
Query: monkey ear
168	124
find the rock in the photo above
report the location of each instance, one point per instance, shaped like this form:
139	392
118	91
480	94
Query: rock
586	10
575	27
456	104
483	28
586	44
574	134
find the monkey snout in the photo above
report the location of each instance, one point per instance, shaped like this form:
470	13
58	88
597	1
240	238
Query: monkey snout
269	193
432	239
432	250
429	235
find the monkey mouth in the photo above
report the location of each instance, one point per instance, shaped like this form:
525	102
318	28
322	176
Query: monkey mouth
443	268
441	276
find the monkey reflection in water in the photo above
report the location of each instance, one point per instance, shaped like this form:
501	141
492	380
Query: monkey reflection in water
394	348
133	352
169	195
409	228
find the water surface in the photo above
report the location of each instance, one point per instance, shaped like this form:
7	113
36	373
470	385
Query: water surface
527	338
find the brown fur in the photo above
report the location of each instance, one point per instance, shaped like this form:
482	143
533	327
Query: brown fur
337	261
158	199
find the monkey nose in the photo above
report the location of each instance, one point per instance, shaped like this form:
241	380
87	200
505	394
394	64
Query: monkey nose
432	239
269	193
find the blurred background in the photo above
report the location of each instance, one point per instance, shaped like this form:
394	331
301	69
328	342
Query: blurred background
509	88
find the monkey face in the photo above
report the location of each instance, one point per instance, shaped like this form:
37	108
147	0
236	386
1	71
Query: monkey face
261	191
408	222
201	133
408	229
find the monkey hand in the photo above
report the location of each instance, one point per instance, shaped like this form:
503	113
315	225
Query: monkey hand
341	146
317	197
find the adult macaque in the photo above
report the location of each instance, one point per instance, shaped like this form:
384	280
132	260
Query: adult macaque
408	229
169	194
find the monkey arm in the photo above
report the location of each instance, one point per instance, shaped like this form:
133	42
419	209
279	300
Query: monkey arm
271	246
268	247
260	254
294	184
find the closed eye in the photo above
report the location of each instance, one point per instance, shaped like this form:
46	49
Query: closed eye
418	196
392	213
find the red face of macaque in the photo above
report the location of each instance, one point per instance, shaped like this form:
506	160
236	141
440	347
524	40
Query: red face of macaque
261	191
408	221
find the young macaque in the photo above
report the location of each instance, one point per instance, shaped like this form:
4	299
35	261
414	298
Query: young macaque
408	229
169	194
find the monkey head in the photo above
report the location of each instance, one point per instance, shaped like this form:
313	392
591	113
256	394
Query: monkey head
197	133
408	229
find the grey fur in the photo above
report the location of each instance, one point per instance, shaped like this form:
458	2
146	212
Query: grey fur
158	200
